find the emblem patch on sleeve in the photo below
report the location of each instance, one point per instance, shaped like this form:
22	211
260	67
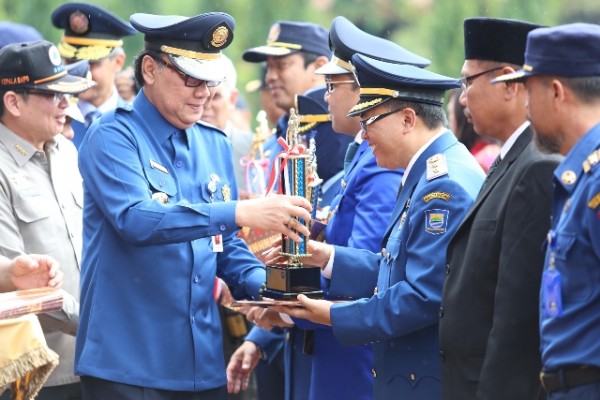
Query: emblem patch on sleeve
436	221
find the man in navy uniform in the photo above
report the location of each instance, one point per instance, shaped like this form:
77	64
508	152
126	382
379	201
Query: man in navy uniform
489	335
161	221
400	287
361	208
562	76
94	34
292	53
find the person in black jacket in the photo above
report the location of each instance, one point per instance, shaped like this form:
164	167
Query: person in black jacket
489	341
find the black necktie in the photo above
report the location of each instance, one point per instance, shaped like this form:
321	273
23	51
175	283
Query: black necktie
350	152
492	169
494	165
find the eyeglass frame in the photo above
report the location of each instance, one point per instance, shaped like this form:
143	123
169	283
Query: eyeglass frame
330	85
468	79
364	123
187	77
57	97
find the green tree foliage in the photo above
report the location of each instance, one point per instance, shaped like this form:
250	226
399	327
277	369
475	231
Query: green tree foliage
431	28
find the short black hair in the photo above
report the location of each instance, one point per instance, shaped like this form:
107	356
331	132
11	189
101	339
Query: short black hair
137	66
433	116
586	88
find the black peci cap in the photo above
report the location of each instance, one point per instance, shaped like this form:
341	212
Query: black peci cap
492	39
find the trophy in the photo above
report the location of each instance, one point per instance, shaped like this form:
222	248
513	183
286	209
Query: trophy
298	177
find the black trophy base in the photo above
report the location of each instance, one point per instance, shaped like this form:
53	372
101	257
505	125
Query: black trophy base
287	282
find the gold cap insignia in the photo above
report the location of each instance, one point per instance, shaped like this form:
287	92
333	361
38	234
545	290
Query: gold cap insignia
568	177
79	23
274	33
219	36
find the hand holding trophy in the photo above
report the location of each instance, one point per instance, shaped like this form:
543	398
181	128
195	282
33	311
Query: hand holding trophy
298	177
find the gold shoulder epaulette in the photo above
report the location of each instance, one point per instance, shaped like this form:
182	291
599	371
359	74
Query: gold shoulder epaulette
436	166
591	161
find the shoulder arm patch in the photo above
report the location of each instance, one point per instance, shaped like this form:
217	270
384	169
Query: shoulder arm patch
436	166
591	161
436	195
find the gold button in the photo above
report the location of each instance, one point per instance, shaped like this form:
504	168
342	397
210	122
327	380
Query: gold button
568	177
287	336
375	291
412	377
374	373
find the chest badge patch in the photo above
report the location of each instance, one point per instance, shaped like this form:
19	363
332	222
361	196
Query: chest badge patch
436	221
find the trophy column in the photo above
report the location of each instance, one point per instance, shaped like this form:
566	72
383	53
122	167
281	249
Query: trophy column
298	178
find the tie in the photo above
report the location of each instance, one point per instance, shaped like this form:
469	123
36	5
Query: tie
91	117
491	170
350	152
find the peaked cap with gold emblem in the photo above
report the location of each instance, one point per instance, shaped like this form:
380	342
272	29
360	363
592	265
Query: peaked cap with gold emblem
91	32
382	81
288	37
346	39
194	44
311	109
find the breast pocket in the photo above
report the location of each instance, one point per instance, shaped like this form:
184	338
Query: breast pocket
213	191
34	217
575	274
160	182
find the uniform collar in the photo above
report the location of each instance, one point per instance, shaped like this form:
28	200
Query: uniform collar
161	128
110	104
414	158
572	166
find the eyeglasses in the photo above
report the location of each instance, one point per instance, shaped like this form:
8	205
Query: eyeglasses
330	85
364	123
190	81
466	80
57	98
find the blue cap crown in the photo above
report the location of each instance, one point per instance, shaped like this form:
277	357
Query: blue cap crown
345	39
11	32
91	32
571	50
288	37
382	81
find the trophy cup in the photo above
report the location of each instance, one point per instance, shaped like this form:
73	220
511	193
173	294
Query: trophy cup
298	177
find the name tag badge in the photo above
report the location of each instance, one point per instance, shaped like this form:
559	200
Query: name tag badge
552	293
217	243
